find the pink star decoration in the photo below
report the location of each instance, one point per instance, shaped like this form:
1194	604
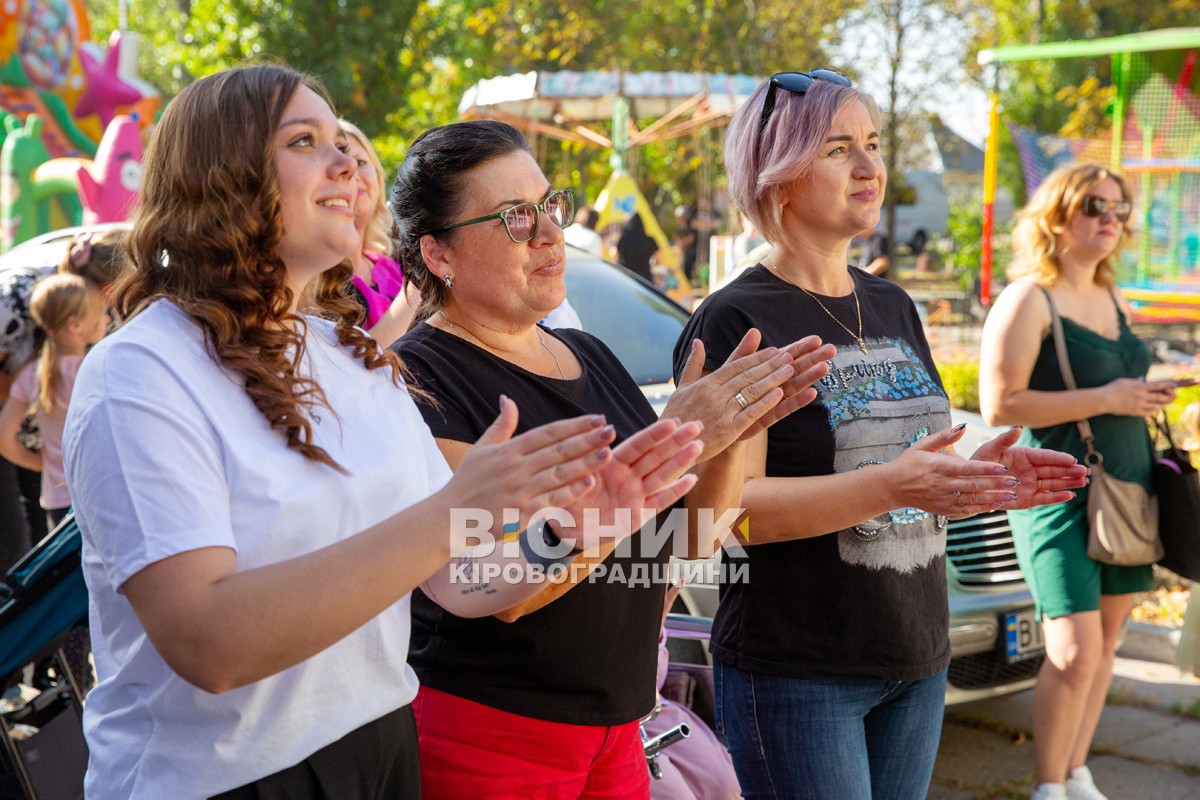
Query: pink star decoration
105	88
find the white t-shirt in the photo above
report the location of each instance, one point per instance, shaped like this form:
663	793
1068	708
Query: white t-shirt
165	453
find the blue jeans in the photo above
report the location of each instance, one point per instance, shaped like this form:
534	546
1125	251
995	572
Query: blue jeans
829	739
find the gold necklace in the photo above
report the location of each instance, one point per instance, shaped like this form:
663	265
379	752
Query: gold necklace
858	337
468	336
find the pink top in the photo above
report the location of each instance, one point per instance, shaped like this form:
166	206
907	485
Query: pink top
389	282
25	390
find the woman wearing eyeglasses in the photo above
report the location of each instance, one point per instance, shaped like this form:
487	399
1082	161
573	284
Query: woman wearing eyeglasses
1065	248
544	699
830	659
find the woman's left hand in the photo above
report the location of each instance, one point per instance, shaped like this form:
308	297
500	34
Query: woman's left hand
643	477
772	383
1046	476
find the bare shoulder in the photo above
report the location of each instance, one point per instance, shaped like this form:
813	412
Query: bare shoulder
1022	301
1020	314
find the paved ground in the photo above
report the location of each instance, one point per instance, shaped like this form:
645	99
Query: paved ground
1146	748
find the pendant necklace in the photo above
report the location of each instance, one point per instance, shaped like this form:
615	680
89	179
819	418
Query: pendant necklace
858	337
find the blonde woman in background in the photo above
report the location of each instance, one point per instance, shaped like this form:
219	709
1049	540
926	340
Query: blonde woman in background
1065	246
377	285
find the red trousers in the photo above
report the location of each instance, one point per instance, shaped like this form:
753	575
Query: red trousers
470	751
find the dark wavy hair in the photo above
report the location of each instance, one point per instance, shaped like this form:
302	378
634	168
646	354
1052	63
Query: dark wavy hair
206	236
430	189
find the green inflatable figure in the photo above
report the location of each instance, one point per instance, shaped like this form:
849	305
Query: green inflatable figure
29	206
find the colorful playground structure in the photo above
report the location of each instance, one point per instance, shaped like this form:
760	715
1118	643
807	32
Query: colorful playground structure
73	117
1154	144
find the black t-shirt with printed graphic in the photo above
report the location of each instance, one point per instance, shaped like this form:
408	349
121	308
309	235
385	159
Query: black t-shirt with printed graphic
868	601
591	656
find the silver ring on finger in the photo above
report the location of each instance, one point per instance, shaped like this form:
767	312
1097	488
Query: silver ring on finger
741	398
958	498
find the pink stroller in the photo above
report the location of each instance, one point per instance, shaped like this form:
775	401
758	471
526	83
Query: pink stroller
697	766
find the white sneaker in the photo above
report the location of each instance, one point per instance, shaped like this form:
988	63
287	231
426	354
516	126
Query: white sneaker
1049	791
1080	785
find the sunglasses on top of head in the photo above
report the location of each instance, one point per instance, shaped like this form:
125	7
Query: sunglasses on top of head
521	221
1094	206
798	82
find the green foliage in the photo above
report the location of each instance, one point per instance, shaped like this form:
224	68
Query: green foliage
961	380
964	228
900	189
399	67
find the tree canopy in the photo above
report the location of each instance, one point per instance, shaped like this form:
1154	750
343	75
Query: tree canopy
398	67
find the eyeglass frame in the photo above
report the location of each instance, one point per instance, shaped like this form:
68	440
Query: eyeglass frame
539	210
812	77
1086	207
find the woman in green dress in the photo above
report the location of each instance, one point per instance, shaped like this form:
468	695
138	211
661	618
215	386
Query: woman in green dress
1065	245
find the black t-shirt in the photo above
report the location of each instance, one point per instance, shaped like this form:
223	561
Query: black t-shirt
590	657
868	601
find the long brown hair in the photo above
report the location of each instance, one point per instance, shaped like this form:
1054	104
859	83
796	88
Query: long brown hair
206	235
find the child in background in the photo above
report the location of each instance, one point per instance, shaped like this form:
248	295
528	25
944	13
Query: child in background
73	316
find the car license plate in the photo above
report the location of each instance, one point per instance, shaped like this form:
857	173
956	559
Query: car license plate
1023	635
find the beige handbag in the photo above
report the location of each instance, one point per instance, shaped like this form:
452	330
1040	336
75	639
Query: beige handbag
1122	515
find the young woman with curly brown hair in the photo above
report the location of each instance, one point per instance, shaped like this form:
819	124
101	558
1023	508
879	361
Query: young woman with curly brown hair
257	492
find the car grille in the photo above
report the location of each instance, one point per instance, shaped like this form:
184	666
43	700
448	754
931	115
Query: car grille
984	670
981	549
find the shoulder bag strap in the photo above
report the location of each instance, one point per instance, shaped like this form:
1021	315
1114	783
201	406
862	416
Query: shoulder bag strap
1064	366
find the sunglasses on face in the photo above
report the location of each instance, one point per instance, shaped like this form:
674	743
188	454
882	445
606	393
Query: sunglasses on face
798	82
1094	206
521	221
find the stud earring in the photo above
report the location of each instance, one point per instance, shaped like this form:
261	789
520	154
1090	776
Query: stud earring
449	281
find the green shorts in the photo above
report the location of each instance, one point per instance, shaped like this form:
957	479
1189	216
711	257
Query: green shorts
1051	544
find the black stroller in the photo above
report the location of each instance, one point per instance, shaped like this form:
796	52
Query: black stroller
42	599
